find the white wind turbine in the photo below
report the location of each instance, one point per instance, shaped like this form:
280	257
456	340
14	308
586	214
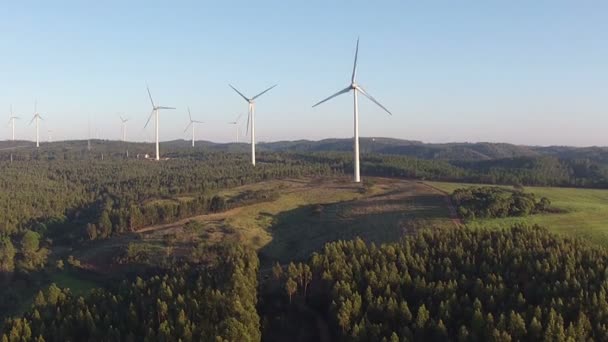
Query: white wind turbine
192	123
251	117
356	88
37	117
236	124
155	110
123	128
11	121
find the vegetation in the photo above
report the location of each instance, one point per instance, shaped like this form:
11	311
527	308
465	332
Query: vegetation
466	285
215	302
492	202
580	213
85	219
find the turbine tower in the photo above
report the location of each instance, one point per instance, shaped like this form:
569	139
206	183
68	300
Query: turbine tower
11	121
235	123
192	123
251	117
356	88
37	117
155	110
123	128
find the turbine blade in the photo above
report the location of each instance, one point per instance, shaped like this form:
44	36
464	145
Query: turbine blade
355	64
160	107
238	118
32	120
345	90
150	95
243	96
189	115
190	124
262	93
40	117
150	117
373	99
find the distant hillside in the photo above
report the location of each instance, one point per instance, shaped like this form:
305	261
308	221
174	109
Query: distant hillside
450	151
482	151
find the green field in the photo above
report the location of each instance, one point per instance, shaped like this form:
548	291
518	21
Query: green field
584	212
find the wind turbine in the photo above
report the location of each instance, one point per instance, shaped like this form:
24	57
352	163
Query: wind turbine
235	123
11	121
155	110
251	117
356	88
124	128
37	117
50	132
192	123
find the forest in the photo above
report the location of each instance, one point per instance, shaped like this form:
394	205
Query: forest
66	195
186	302
521	284
493	202
478	285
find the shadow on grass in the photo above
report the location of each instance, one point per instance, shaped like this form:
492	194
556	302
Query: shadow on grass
297	233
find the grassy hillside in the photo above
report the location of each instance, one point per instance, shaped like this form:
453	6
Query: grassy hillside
584	212
306	214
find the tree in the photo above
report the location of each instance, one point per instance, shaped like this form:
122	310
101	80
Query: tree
277	271
291	286
307	277
7	255
32	256
91	231
105	225
422	317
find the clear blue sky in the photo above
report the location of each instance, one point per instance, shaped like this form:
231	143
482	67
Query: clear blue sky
526	72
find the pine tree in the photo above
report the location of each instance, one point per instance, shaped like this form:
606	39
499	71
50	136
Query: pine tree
291	287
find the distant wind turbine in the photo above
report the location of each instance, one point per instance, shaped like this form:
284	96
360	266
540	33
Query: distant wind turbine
155	110
191	124
11	121
124	128
251	117
37	117
50	132
236	124
356	88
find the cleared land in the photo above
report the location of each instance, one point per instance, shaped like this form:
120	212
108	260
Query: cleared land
306	214
583	212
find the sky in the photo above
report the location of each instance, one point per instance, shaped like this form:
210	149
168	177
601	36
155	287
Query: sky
522	72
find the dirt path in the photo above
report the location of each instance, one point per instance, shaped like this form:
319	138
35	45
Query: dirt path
177	224
451	207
